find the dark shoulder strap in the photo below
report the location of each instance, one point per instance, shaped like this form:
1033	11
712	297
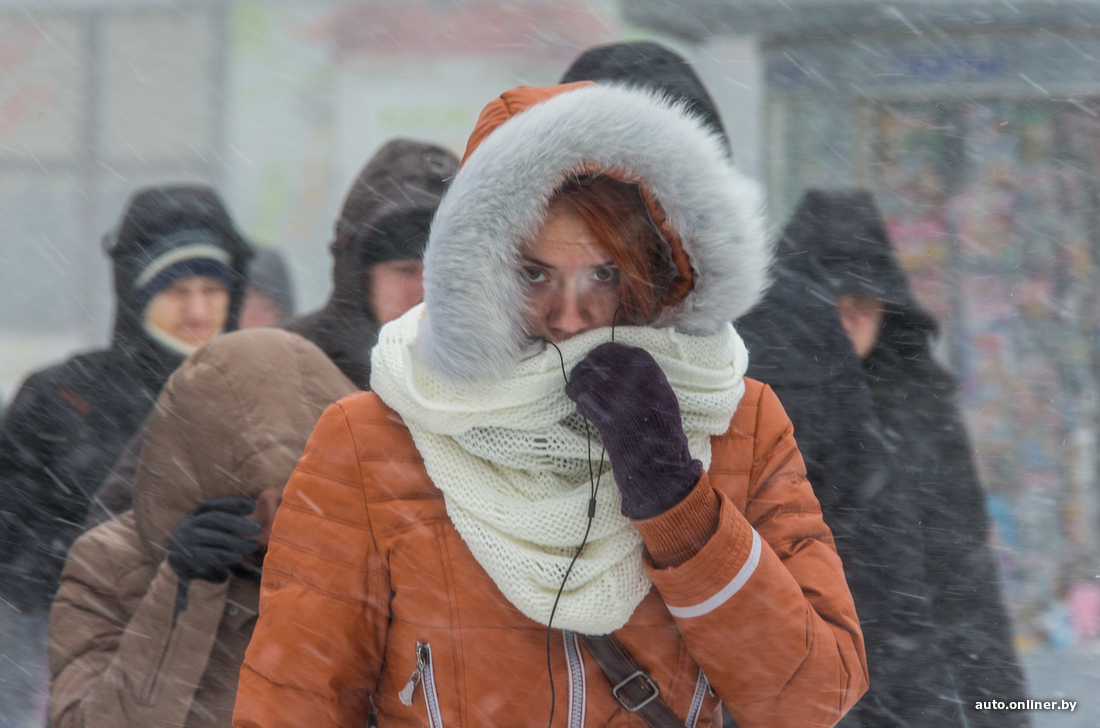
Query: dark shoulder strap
632	686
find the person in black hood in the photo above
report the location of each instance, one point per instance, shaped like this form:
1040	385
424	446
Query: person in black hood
798	346
377	276
839	239
377	251
179	276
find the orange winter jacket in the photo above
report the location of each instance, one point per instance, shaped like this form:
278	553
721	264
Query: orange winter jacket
366	575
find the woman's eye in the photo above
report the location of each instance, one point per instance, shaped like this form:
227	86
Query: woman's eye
533	275
606	273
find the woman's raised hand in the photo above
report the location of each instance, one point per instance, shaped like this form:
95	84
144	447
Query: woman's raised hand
625	395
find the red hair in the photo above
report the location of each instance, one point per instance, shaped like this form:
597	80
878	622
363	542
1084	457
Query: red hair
620	221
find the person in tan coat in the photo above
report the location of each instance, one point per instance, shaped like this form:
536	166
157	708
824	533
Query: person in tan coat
563	504
156	607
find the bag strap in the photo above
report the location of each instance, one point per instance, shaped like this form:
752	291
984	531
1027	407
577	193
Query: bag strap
632	686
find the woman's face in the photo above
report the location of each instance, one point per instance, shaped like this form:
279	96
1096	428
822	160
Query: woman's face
573	285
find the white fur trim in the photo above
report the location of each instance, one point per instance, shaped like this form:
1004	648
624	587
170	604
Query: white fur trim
475	299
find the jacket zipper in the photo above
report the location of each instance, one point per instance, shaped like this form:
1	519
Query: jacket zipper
423	675
577	687
701	687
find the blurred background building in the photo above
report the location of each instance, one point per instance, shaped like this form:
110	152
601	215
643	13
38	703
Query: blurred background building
977	126
976	123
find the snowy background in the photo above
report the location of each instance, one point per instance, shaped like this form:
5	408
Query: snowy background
976	123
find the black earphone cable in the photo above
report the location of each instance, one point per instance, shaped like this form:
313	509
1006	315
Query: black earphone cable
594	489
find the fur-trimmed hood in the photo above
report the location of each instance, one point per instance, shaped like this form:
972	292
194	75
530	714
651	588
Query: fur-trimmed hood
524	146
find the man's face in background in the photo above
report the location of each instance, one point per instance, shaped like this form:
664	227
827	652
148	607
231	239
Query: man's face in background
191	310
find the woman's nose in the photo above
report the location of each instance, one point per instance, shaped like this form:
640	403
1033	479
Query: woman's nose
569	318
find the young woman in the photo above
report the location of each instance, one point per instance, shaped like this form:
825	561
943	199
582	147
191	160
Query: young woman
570	379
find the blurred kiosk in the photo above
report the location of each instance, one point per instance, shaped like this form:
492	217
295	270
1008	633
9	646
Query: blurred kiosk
977	126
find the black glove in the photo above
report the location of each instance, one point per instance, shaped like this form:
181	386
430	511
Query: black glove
624	393
214	538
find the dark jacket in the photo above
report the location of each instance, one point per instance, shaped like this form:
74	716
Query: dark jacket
840	240
68	424
797	345
914	398
386	216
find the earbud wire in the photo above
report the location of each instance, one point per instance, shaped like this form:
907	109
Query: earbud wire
594	489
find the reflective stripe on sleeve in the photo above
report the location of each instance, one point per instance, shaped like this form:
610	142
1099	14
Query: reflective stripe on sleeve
709	605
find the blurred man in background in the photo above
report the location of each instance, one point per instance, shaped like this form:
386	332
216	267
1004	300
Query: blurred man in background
377	273
377	276
268	301
179	275
179	271
798	346
839	239
269	298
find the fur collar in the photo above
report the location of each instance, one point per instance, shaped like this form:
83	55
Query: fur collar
475	300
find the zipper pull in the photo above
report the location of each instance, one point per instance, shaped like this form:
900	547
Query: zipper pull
406	694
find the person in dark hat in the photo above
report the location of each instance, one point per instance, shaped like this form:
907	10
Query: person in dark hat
799	347
179	274
269	299
377	272
839	239
377	276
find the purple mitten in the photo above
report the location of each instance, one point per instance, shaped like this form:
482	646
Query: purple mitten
625	395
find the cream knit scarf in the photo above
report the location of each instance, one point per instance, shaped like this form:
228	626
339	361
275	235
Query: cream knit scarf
511	457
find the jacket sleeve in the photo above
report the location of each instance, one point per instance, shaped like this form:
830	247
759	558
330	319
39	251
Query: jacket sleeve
114	497
31	502
110	666
316	654
762	604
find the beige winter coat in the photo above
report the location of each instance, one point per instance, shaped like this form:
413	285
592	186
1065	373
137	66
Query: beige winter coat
233	420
